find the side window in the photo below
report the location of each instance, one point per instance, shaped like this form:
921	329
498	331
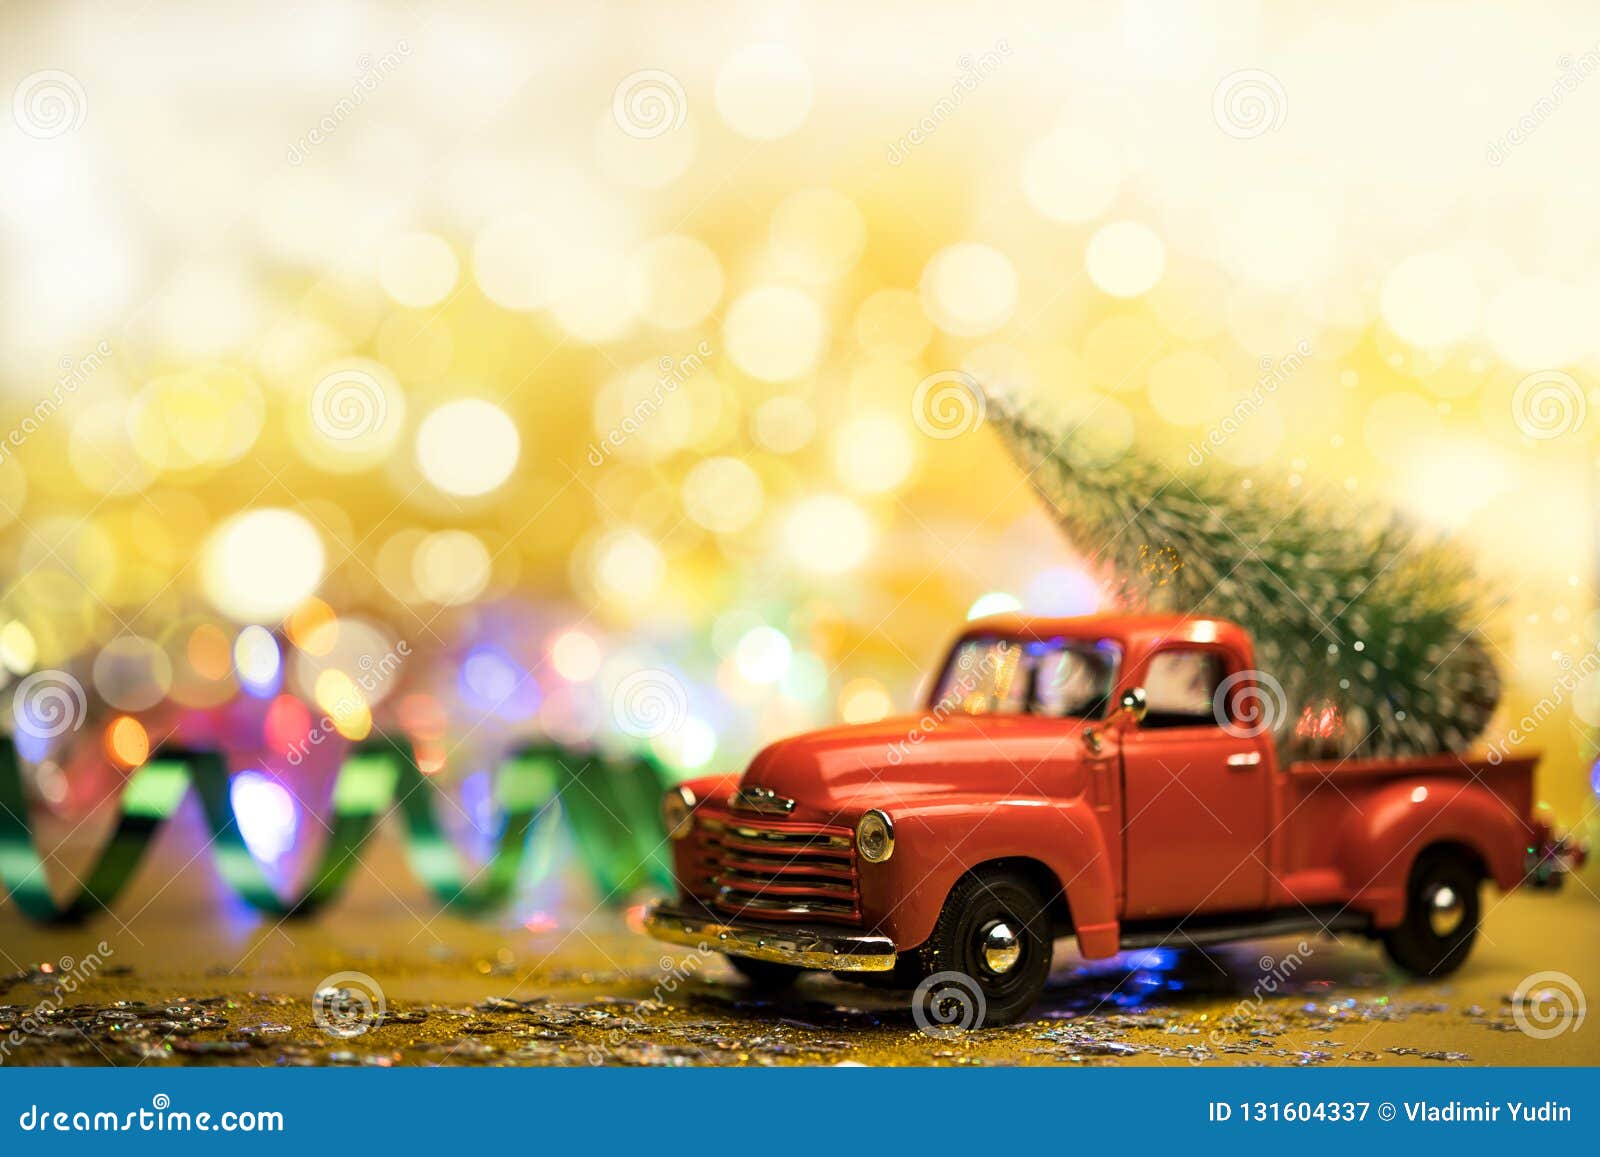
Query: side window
1180	685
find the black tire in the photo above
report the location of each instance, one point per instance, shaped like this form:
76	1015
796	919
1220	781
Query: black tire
1442	913
766	975
981	901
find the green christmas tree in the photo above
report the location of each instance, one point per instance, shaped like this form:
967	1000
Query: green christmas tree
1369	627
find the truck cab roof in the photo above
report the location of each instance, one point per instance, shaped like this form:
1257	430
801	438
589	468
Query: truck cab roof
1135	632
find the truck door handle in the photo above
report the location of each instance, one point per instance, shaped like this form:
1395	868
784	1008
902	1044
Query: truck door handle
1244	759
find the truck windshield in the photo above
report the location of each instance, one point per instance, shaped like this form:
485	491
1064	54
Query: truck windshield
1059	678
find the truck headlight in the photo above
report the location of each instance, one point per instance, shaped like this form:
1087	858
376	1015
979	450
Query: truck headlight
875	836
677	812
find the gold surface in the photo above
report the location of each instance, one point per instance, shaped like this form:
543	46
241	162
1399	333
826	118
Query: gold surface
594	991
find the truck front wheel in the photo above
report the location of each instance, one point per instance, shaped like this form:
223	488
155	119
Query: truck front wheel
995	933
1441	919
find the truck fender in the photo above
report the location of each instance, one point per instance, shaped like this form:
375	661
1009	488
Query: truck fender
716	786
939	841
1379	844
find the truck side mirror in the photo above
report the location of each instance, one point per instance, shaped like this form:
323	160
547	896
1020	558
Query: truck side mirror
1131	708
1130	712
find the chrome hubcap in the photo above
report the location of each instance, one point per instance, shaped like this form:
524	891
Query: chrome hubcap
1000	946
1446	908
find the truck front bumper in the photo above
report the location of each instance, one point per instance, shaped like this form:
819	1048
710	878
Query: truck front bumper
827	947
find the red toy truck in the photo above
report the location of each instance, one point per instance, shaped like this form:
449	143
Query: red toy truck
1090	777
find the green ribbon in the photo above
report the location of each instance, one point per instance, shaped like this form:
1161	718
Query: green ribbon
611	806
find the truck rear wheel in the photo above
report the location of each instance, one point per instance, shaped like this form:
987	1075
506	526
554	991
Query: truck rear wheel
767	975
1442	912
992	943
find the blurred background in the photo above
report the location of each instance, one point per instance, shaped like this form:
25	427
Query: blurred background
606	375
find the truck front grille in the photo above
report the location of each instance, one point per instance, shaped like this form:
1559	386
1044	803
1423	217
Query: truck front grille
781	870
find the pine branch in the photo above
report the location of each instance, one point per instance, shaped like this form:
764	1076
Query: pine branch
1353	611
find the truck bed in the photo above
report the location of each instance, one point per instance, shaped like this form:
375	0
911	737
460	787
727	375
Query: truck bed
1506	773
1326	809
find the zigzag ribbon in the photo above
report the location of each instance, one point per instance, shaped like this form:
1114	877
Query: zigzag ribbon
612	808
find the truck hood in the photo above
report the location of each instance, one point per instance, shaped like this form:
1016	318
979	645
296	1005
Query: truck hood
914	757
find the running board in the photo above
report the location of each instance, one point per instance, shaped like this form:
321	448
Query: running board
1241	926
